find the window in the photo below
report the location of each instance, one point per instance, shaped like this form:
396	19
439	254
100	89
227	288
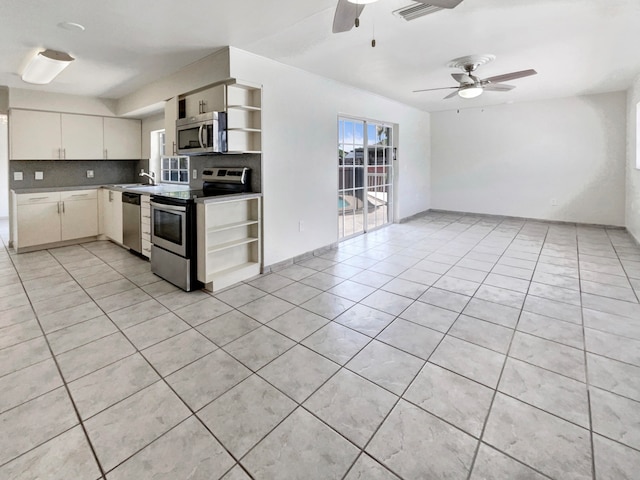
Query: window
175	169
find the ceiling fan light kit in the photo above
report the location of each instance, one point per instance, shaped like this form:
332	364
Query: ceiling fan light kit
471	91
471	86
45	66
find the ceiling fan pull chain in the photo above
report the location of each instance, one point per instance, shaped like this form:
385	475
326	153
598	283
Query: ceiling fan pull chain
373	24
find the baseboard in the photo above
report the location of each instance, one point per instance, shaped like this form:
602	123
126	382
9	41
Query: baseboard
299	258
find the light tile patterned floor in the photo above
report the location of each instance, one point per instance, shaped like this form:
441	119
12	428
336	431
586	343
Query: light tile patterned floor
458	347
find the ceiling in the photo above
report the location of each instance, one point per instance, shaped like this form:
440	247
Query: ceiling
577	46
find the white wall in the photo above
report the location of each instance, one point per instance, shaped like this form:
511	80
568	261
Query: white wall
299	141
210	69
4	167
633	174
514	159
57	102
150	124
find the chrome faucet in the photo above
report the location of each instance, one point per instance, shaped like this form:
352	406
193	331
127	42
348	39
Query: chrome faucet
152	177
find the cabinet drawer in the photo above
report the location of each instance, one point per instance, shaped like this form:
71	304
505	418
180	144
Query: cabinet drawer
35	198
146	248
79	195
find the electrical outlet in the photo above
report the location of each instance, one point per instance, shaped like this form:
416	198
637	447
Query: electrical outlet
89	173
39	176
17	176
194	174
554	202
301	226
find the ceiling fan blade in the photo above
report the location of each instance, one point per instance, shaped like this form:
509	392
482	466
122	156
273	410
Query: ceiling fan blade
462	78
345	17
510	76
451	95
498	87
432	89
441	3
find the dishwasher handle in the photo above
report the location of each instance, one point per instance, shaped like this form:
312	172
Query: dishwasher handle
132	198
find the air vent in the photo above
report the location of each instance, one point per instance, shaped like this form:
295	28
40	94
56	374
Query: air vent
416	10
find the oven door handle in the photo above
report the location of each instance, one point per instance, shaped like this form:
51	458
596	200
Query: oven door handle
174	208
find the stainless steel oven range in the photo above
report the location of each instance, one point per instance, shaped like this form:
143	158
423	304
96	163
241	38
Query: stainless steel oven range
174	229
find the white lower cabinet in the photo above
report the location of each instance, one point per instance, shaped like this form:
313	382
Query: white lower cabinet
111	214
45	218
229	241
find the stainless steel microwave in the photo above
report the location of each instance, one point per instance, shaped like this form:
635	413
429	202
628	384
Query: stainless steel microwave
202	134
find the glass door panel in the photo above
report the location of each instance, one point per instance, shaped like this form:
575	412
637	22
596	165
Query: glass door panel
365	176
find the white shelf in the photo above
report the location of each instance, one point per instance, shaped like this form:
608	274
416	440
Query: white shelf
245	129
239	152
246	108
229	226
236	243
234	270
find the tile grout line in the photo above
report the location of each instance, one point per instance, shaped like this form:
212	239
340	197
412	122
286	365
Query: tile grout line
504	363
64	382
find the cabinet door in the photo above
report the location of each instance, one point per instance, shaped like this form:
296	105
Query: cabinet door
209	100
34	135
38	224
79	219
82	137
122	138
79	214
113	215
170	117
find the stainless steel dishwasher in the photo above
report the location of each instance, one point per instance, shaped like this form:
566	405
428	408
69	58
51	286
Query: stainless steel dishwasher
131	221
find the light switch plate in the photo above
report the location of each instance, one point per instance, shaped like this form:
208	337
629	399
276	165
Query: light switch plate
195	174
89	173
39	175
17	176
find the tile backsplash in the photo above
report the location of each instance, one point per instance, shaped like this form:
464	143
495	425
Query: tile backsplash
57	173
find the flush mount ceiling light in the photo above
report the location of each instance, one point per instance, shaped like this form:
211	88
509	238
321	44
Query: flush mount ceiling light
45	66
472	91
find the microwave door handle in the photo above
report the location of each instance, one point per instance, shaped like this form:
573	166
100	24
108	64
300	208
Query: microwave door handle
200	136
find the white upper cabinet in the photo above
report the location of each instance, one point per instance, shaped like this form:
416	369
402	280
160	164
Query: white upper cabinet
35	135
82	137
122	139
204	101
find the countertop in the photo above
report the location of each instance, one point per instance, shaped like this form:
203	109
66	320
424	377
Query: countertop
125	187
143	189
228	198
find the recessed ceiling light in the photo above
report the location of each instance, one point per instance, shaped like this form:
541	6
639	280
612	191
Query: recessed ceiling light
74	27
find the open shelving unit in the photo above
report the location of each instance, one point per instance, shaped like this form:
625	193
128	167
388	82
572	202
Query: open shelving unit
244	118
229	241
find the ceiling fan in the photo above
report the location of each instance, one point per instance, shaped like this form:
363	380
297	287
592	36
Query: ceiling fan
471	86
348	11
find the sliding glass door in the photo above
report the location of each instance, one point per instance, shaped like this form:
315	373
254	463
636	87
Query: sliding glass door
365	175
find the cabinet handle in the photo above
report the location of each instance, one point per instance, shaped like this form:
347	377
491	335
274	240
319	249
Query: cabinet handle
58	208
106	154
64	153
37	198
79	194
110	196
59	154
62	207
146	233
175	152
